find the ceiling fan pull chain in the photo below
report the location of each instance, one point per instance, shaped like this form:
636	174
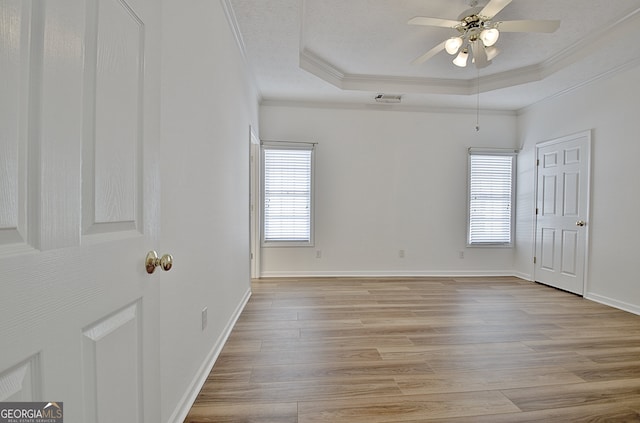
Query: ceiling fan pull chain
478	104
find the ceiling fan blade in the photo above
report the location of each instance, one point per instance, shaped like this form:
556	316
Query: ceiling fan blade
428	55
479	54
423	20
493	8
528	26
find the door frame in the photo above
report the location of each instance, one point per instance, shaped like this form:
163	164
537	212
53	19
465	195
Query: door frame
588	135
254	203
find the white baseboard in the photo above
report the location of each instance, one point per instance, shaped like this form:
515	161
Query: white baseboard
187	400
382	274
525	276
631	308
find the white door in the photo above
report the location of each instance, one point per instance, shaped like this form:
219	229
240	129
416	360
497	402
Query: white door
79	200
562	212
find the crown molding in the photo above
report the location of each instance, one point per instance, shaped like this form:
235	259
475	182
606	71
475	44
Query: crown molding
321	68
605	37
381	107
230	16
235	28
602	76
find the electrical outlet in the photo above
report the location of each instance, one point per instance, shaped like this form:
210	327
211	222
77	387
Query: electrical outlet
318	253
204	318
401	253
461	254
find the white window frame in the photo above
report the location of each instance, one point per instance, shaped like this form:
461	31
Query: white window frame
511	154
281	145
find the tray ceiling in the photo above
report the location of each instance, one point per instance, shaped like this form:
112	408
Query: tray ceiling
346	52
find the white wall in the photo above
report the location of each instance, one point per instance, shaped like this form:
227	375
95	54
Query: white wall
610	108
207	107
387	181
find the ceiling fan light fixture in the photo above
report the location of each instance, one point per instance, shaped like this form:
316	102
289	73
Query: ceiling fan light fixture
477	32
453	44
461	59
489	36
492	52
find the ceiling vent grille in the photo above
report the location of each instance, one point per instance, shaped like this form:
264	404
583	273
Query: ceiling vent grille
388	98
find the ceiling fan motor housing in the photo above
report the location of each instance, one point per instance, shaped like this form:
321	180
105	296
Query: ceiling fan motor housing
473	25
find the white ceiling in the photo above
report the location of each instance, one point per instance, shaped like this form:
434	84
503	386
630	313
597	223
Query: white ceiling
347	51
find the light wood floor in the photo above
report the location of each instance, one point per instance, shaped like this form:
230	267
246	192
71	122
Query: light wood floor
424	350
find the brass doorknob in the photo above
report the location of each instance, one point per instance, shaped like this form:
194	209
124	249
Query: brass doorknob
152	261
581	223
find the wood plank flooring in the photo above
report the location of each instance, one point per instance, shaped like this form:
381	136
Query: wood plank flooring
423	350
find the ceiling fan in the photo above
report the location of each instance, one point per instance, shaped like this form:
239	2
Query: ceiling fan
478	32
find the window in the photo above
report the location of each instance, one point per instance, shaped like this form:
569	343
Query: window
491	193
287	194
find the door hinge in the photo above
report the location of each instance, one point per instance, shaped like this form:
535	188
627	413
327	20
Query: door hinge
537	211
535	260
537	162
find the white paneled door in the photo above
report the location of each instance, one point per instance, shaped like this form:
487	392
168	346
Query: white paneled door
79	201
562	212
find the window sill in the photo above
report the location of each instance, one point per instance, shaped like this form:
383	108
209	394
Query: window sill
290	244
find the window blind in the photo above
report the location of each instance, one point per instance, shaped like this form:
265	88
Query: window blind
490	199
287	184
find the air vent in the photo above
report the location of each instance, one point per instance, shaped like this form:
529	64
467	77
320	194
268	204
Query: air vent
388	98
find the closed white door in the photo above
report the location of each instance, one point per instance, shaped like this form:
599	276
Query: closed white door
79	200
562	212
